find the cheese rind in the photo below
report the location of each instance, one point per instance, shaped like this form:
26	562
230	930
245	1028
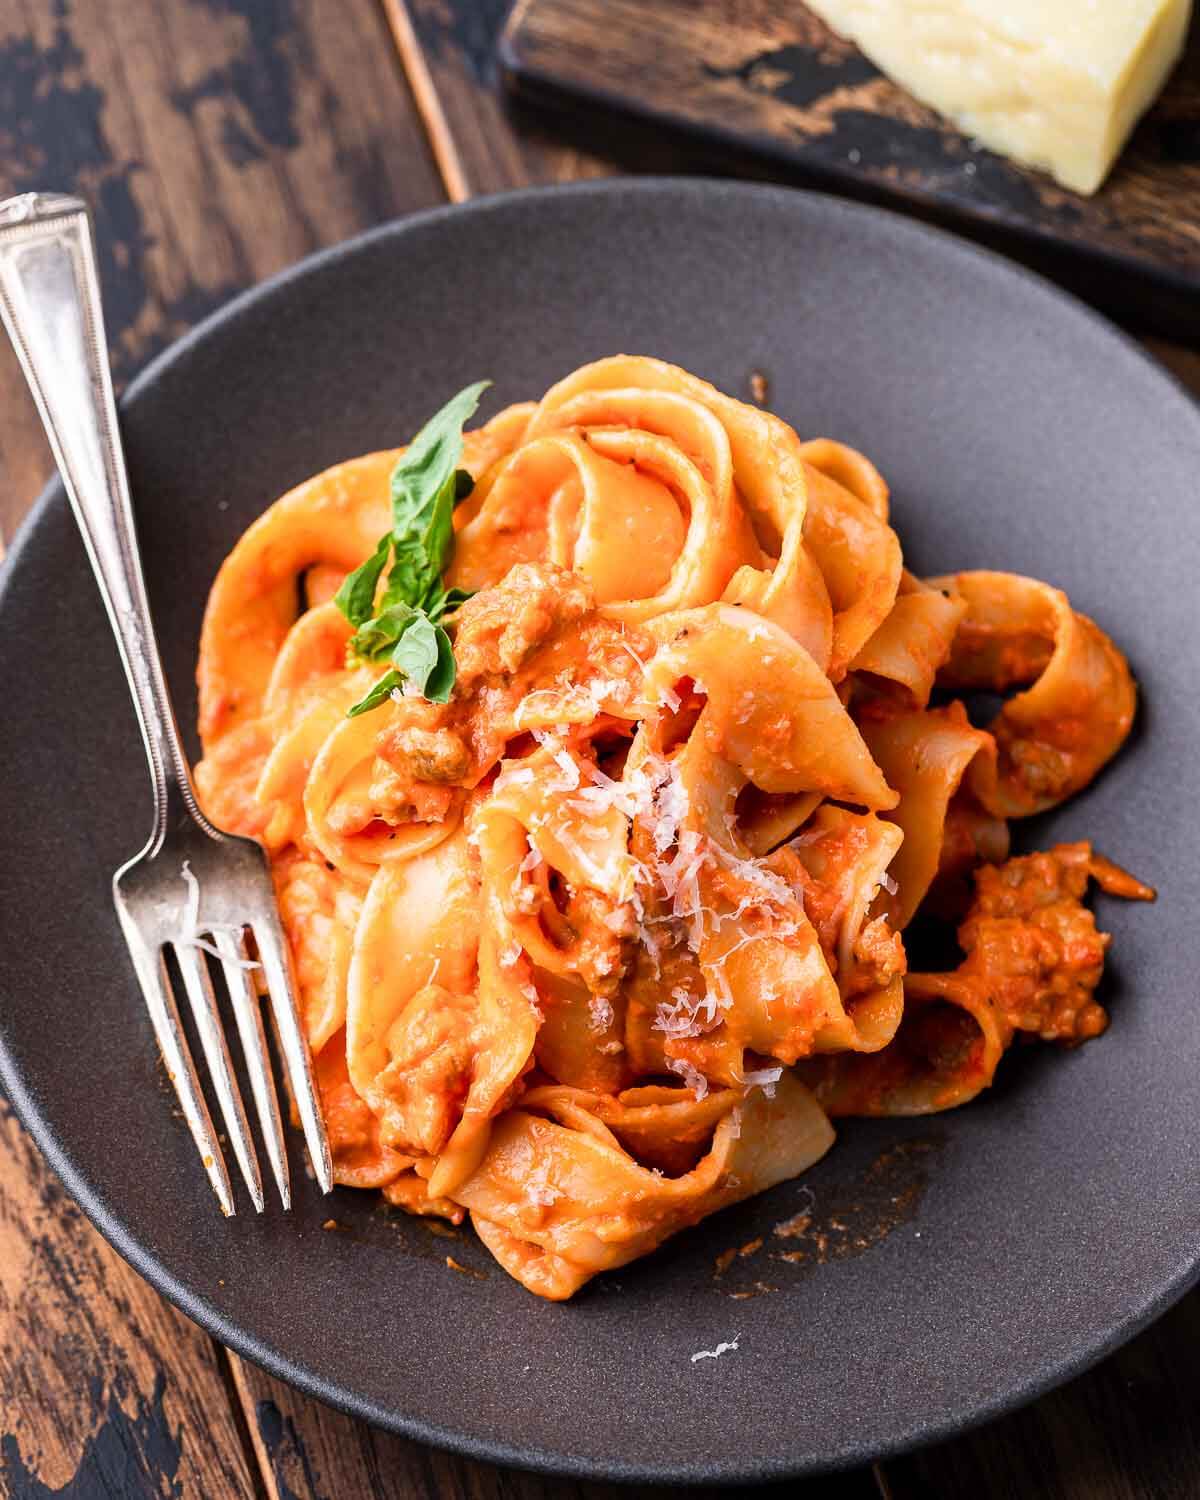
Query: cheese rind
1057	84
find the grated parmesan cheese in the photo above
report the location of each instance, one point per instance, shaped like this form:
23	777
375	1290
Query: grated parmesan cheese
625	646
691	1076
525	898
719	980
685	1014
769	889
189	933
583	701
511	775
552	741
761	1078
725	1347
531	995
672	808
680	880
601	1013
569	767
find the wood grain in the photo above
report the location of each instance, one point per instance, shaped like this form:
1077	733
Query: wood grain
773	77
486	142
448	50
217	141
105	1390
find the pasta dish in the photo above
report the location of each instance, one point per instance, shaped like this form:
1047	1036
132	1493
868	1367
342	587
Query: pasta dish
604	754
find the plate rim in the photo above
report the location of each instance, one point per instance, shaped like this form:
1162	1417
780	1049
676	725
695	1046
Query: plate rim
106	1219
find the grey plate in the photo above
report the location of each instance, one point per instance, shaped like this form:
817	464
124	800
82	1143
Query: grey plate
986	1254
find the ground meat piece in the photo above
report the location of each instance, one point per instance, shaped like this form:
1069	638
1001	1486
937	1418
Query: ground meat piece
307	891
1020	887
1033	945
398	801
603	948
359	1157
878	958
433	1046
419	754
419	758
500	626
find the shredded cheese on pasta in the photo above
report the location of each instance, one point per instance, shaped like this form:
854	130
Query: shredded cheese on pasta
598	946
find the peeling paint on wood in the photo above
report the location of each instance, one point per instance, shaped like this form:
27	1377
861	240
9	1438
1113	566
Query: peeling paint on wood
105	1390
217	141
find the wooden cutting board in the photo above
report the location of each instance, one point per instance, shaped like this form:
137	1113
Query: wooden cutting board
768	76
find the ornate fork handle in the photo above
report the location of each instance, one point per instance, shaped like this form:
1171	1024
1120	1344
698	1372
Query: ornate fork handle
50	303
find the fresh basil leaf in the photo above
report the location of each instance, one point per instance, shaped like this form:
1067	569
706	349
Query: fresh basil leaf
455	599
441	601
375	638
416	651
356	597
430	461
380	693
422	659
440	682
426	485
416	573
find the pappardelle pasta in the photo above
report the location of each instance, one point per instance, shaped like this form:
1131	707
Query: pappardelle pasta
596	895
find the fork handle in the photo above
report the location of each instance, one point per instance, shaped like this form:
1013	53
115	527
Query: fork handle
50	303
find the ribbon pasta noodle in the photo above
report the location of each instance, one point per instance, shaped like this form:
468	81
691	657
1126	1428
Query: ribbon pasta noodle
596	938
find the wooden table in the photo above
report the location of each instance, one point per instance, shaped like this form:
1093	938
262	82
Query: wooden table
220	140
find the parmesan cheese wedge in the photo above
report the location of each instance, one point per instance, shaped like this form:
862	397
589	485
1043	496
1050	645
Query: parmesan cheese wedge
1057	84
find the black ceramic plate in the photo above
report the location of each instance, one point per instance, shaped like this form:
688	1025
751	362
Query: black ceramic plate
955	1266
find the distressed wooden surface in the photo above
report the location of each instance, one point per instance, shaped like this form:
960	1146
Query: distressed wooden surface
775	78
219	140
448	52
486	142
105	1390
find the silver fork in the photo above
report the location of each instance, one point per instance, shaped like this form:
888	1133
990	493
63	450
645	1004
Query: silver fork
192	888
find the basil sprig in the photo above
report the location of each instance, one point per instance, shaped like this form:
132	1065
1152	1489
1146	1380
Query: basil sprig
405	626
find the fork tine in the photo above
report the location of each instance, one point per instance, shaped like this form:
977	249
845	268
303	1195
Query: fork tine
212	1038
164	1015
248	1014
297	1060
